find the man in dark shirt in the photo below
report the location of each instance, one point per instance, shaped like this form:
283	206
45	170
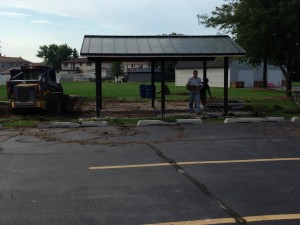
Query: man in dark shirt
203	95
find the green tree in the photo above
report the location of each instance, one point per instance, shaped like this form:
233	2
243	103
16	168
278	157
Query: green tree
269	31
54	55
117	69
75	54
170	70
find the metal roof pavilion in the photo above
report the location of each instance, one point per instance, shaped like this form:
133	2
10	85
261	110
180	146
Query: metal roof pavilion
159	47
162	48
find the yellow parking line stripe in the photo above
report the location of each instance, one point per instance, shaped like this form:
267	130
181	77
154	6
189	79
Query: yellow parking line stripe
192	163
128	166
249	219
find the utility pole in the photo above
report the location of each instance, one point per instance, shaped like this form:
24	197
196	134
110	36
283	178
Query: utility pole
0	49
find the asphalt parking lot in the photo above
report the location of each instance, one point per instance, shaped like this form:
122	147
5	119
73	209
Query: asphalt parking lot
246	173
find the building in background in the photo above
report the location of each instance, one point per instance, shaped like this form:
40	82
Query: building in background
239	73
80	69
215	72
143	75
253	76
7	63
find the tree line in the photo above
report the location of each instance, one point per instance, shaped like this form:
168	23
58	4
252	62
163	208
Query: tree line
54	54
269	31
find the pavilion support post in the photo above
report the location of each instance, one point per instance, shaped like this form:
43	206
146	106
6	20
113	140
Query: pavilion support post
98	88
152	85
204	69
225	85
163	89
265	72
204	76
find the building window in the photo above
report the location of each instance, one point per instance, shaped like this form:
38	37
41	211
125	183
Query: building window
80	64
65	65
89	64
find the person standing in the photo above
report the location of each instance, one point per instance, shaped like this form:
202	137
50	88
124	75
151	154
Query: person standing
203	92
194	85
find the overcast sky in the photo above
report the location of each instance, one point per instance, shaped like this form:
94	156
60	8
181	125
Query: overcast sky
27	24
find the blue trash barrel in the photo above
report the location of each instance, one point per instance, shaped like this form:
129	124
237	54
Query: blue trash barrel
150	91
143	90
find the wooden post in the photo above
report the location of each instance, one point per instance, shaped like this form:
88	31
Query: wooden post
265	72
163	89
225	85
98	88
152	85
204	76
204	69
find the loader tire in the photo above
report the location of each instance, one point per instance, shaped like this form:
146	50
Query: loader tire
67	105
54	104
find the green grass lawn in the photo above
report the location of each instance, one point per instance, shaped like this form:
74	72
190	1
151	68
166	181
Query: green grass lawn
130	91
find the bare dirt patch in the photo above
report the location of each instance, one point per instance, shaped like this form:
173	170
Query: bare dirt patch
126	109
112	108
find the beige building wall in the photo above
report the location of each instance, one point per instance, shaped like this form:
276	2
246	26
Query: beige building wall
215	76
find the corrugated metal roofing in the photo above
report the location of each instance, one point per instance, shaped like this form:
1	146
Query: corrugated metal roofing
185	47
77	60
217	63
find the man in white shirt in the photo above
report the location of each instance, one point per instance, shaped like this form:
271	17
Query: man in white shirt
194	85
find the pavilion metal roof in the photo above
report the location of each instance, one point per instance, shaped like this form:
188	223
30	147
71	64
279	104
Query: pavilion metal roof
178	47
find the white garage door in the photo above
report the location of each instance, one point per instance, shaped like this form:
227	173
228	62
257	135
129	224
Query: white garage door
246	76
275	77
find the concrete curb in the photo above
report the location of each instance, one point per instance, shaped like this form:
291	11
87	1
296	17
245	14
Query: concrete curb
93	123
295	119
72	124
160	122
58	125
151	122
189	121
254	120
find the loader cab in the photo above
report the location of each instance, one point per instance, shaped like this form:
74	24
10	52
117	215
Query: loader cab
29	72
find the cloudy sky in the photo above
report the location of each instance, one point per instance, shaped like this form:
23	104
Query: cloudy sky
28	24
